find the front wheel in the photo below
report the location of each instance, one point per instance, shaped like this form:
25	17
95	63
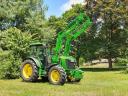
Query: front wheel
57	75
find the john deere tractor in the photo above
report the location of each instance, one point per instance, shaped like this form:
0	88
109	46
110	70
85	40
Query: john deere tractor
57	65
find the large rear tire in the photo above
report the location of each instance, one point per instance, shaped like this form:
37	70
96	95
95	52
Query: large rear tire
57	75
29	71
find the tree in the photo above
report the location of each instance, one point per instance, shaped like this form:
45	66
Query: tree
14	13
57	23
60	23
112	16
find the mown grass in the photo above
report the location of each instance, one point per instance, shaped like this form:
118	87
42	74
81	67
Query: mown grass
94	83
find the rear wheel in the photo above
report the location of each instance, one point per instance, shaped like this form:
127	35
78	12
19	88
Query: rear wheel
29	71
57	75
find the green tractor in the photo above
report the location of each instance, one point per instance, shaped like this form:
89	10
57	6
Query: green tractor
57	65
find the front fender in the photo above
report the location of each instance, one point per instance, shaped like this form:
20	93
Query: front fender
50	66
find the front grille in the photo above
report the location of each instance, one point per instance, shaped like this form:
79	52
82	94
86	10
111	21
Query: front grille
70	65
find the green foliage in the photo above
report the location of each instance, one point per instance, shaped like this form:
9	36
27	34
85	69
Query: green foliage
121	62
81	61
57	23
15	45
126	71
21	22
37	26
60	23
108	34
15	13
16	41
72	13
9	65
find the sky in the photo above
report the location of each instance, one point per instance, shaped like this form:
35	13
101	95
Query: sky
57	7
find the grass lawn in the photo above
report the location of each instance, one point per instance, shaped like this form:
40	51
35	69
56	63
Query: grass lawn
94	83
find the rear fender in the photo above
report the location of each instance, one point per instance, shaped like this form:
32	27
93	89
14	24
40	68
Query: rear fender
38	62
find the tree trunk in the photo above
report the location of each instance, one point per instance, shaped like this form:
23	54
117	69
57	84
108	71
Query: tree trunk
77	60
110	62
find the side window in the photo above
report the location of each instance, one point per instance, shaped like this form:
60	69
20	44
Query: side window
37	51
40	52
33	51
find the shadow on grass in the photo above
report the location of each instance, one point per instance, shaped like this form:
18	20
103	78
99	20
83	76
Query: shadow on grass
101	69
44	80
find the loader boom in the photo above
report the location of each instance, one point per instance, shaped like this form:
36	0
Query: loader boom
71	32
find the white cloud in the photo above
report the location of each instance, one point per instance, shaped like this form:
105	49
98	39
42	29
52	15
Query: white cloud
68	5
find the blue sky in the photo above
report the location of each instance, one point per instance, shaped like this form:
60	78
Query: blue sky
54	7
57	7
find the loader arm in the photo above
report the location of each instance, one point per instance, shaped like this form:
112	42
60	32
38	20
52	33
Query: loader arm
71	32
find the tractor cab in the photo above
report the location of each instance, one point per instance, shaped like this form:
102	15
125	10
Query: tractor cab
40	52
37	50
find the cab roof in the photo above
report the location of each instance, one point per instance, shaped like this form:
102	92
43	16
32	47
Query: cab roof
37	44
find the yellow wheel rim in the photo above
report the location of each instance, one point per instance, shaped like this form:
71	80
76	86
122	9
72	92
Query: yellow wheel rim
27	71
55	76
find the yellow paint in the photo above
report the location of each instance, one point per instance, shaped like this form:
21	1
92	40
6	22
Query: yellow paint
55	76
27	70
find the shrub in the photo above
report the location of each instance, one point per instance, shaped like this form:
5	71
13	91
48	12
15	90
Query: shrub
81	61
17	41
9	66
121	62
126	71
